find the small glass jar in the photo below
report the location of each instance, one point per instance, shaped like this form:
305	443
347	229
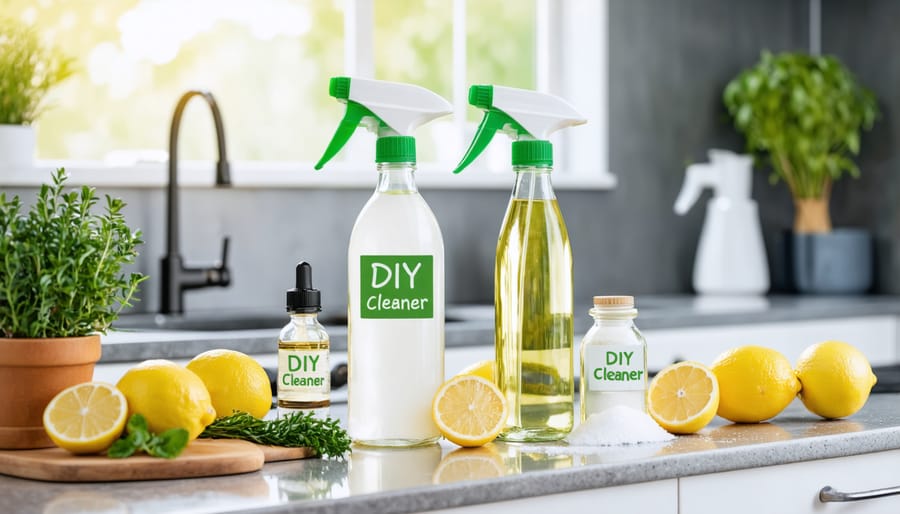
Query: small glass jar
613	358
304	375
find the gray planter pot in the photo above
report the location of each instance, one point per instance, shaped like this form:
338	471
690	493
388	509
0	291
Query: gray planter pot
839	262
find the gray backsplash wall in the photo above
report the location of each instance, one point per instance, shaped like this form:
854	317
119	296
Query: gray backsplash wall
864	35
668	64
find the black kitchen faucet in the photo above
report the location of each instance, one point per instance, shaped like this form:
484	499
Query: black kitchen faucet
176	276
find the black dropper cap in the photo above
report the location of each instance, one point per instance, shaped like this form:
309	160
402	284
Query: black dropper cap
303	298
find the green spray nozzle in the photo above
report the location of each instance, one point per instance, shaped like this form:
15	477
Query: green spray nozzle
520	113
352	119
386	108
482	97
493	120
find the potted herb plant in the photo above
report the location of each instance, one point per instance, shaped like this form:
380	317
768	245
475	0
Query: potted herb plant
803	114
28	70
61	284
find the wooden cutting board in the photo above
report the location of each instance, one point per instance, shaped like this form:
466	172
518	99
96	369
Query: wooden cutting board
280	453
202	458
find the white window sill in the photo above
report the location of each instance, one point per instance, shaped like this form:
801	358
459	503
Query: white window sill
276	175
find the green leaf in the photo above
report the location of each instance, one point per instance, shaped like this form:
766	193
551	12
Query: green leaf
169	444
122	448
744	115
137	423
852	142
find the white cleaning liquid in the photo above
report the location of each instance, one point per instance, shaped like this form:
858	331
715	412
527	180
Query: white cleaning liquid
396	321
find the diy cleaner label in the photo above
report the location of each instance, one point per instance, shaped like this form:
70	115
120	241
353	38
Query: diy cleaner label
303	371
396	286
614	368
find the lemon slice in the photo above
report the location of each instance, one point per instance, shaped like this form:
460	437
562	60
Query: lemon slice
86	418
469	464
683	397
469	410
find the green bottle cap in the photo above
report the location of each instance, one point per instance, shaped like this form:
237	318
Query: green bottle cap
532	153
481	96
395	149
339	87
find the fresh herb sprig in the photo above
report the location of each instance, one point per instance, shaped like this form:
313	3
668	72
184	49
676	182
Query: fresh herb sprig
61	263
167	445
324	436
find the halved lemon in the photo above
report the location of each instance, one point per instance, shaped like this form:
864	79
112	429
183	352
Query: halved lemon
683	397
86	418
469	410
469	464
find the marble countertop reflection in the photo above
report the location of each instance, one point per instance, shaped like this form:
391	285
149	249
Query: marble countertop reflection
445	476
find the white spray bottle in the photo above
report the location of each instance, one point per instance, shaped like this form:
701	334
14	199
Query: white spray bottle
395	311
731	256
533	331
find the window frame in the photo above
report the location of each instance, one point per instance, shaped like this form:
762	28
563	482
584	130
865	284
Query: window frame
562	28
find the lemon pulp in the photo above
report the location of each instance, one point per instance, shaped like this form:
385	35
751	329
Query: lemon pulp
86	418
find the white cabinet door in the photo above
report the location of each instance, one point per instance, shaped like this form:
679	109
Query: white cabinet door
659	497
794	488
875	336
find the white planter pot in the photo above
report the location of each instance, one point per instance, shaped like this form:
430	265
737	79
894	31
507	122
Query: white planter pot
16	146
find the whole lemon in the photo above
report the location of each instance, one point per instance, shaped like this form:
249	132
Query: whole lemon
836	378
168	396
484	369
235	381
755	383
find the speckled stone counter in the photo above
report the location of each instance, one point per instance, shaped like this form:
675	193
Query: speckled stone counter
444	476
473	325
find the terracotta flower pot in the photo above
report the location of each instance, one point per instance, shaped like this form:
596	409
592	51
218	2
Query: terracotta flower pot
32	372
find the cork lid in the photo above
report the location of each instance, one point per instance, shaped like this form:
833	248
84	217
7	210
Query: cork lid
626	302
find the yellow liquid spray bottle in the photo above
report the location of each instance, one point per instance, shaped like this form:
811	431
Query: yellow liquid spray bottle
533	331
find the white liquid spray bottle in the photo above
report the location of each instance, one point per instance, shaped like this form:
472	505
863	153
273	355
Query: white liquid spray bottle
395	311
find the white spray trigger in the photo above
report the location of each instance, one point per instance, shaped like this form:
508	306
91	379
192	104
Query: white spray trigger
402	107
538	113
727	173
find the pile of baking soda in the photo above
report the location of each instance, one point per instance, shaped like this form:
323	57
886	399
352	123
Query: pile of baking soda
618	425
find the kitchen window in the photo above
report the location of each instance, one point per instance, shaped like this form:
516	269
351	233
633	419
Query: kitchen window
268	63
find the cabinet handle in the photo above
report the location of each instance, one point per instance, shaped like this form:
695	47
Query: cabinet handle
830	494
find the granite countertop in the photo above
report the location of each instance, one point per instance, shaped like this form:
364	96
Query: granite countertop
445	476
471	325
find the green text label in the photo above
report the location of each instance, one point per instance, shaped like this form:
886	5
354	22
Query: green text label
396	286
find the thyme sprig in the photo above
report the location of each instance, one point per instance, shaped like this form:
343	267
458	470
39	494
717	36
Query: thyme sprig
324	436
